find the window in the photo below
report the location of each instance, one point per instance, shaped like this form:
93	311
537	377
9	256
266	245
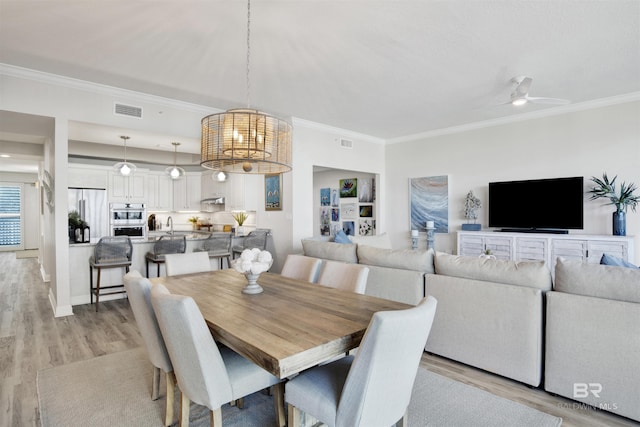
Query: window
10	215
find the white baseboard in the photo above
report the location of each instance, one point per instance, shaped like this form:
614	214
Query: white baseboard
61	311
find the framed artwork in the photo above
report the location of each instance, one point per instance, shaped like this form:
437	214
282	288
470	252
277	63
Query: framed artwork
349	210
365	190
335	214
335	227
349	187
273	192
367	227
325	196
349	228
366	211
429	201
325	221
335	199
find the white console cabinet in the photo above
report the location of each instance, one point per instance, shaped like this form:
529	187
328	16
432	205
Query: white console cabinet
544	247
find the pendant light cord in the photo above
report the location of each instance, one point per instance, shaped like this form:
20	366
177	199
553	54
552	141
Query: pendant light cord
248	82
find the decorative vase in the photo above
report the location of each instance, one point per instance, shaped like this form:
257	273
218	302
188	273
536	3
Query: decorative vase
619	223
239	230
252	286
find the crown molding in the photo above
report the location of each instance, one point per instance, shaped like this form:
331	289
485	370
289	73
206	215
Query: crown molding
338	131
101	89
557	111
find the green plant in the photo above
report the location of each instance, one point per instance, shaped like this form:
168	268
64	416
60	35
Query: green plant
487	252
240	218
75	220
607	189
193	219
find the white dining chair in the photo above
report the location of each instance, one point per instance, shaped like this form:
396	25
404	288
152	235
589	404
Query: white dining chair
191	262
139	294
206	375
301	267
372	388
348	277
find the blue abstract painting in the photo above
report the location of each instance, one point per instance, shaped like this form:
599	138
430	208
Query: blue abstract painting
429	201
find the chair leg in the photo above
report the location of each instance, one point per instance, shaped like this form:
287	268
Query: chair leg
184	410
91	283
171	387
278	402
147	262
294	416
240	403
155	385
158	264
98	290
216	417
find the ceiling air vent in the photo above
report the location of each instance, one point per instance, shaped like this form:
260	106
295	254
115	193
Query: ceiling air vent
127	110
346	143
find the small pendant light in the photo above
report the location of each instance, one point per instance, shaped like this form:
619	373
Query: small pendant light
125	168
174	171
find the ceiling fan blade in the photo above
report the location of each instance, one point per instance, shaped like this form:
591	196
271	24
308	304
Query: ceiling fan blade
547	101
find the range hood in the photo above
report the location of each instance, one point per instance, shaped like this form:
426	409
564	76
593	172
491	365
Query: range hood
213	200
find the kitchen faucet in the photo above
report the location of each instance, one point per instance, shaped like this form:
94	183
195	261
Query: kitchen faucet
170	222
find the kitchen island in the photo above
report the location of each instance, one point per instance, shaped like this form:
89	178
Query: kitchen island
79	254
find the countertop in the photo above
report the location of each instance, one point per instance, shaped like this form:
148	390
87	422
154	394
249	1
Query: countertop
151	238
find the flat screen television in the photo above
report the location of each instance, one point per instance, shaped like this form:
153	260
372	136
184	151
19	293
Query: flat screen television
540	205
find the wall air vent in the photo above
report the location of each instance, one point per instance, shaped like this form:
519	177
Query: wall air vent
127	110
346	143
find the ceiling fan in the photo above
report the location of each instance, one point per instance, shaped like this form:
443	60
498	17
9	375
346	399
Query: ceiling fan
520	94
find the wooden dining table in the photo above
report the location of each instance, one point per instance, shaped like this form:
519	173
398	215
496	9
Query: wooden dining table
291	326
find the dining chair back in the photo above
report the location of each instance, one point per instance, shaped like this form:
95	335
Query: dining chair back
192	262
374	386
218	245
139	293
348	277
301	267
206	375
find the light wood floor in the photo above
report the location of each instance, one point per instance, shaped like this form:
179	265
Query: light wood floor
31	339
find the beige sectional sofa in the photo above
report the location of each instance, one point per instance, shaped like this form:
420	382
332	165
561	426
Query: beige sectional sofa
593	336
393	274
490	314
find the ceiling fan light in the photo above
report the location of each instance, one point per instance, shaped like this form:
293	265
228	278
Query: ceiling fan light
518	101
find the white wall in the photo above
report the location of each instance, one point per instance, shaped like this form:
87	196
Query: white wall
584	143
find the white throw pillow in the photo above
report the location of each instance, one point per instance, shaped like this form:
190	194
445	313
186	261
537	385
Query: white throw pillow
377	241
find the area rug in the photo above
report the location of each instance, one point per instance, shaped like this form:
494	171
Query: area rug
29	253
115	390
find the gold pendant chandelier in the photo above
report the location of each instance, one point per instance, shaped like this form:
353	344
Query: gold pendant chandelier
245	140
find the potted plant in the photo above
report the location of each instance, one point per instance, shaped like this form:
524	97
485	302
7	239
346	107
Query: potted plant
76	227
194	221
471	206
240	218
620	199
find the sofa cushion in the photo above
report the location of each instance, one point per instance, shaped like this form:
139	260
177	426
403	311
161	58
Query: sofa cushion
378	241
406	259
596	280
330	250
533	274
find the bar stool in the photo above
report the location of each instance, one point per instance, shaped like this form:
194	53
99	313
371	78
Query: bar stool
218	245
165	245
110	252
255	239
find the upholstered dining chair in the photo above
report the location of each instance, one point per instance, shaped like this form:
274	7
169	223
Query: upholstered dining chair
374	386
301	267
139	293
218	245
348	277
165	245
207	375
255	239
191	262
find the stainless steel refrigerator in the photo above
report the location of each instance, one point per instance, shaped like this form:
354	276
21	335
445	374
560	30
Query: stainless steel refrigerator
91	204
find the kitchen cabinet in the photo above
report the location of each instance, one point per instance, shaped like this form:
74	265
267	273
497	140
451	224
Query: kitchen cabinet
187	192
84	176
244	191
159	192
127	189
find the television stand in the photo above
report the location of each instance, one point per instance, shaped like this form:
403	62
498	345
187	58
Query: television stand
534	230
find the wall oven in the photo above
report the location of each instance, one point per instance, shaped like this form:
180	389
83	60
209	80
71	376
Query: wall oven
128	219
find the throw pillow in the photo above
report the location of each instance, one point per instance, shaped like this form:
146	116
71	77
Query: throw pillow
341	237
615	261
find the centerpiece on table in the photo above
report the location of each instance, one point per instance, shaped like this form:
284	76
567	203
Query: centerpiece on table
621	200
252	263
